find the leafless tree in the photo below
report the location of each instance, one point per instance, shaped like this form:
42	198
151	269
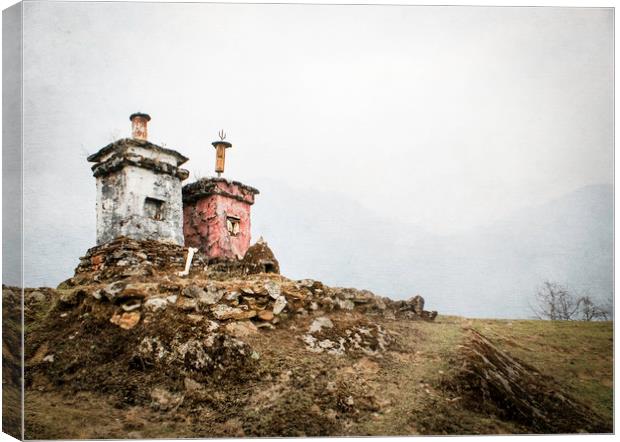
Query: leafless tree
553	301
593	312
608	309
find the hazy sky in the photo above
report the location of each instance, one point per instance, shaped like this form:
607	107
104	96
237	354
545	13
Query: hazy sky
446	117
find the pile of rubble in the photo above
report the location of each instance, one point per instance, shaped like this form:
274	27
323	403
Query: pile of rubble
127	258
265	300
414	308
133	324
260	259
140	279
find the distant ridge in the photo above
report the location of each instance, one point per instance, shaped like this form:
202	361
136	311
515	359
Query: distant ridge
489	271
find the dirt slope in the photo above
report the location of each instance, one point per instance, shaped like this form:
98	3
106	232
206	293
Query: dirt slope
277	386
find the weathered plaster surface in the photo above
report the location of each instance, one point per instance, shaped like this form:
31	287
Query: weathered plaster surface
208	204
148	153
125	179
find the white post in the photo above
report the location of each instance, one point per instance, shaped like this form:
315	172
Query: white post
188	261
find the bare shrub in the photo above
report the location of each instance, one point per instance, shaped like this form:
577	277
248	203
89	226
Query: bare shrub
555	302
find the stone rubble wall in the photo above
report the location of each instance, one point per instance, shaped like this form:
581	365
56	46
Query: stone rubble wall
141	277
126	257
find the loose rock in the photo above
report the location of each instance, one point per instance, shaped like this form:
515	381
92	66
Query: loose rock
274	289
241	329
111	291
131	306
186	303
193	291
265	315
345	304
223	312
209	298
320	323
279	305
126	320
154	304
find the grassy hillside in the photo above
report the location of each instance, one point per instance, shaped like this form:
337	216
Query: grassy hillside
577	354
290	390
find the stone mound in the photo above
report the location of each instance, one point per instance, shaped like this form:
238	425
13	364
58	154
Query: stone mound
145	274
145	341
413	308
260	259
126	258
131	326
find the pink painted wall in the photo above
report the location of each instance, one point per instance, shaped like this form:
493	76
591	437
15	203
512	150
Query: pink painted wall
204	222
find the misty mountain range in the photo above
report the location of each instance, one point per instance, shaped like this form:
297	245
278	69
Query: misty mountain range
489	271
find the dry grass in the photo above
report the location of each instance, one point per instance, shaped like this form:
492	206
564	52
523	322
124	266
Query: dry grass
577	354
53	415
297	392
